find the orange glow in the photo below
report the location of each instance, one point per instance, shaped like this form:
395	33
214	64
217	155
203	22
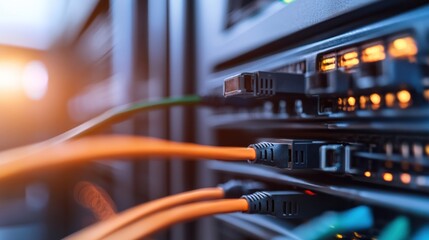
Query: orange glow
405	178
367	174
388	177
96	199
426	94
10	78
375	98
340	101
349	60
374	53
404	96
390	99
427	149
339	236
19	79
362	102
351	101
328	63
403	48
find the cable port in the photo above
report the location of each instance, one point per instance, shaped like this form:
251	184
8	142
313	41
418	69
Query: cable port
263	84
334	81
373	53
287	153
348	59
403	47
328	63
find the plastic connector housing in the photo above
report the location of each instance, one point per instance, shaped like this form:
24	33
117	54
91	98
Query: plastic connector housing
238	188
263	84
287	204
287	153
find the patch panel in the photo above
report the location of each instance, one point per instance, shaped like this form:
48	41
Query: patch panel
365	103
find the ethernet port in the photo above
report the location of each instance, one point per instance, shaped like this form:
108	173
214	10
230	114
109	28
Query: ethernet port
326	106
371	69
369	74
332	82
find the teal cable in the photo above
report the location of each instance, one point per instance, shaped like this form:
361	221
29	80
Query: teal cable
422	233
398	229
121	113
330	223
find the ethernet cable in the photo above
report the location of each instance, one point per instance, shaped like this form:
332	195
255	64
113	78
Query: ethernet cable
37	156
422	233
157	221
109	117
255	203
230	189
398	229
123	112
16	162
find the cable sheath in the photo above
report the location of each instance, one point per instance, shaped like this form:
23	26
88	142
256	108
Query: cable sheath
14	162
102	229
158	221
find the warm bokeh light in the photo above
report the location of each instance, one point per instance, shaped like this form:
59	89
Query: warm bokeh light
390	99
349	60
405	178
404	96
367	174
388	177
10	78
374	53
362	102
404	47
35	80
351	101
328	63
375	99
18	79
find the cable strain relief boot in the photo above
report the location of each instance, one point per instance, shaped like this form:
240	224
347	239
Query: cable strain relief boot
271	154
238	188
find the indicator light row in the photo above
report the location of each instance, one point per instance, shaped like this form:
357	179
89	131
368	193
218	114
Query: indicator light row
403	177
402	98
398	48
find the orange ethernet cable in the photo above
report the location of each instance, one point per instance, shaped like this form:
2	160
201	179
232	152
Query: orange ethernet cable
19	161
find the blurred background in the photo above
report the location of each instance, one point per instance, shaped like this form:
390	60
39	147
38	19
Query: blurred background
61	63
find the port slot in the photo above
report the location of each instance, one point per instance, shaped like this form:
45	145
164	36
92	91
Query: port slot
351	163
348	59
331	157
403	48
328	63
374	52
371	69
